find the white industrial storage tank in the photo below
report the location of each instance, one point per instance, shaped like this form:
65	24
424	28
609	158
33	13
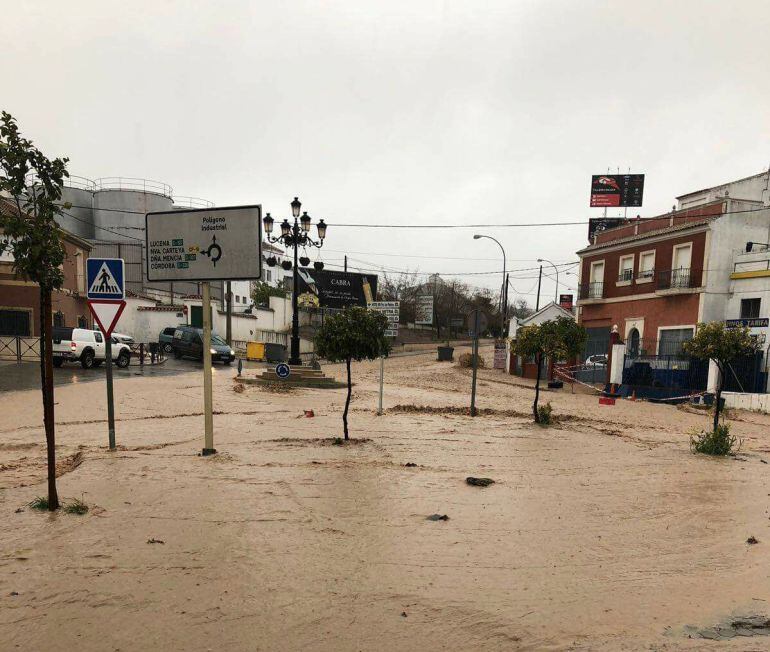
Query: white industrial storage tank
78	218
120	203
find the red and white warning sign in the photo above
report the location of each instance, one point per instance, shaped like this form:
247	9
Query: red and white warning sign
106	313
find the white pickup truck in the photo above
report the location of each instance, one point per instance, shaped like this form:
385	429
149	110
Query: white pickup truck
86	346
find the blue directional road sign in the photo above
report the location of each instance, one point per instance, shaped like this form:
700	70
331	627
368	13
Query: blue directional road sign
282	370
106	278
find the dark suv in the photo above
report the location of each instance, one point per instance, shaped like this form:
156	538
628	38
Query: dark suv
188	341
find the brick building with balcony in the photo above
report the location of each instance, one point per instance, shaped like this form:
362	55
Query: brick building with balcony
657	278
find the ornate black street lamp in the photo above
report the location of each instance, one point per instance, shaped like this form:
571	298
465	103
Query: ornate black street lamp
295	236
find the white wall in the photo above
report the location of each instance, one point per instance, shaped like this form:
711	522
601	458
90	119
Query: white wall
241	295
727	238
143	320
754	188
760	402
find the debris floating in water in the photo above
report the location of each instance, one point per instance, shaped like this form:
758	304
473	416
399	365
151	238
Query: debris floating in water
438	517
479	482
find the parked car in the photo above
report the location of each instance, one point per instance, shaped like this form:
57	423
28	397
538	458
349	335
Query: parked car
166	338
598	359
86	346
188	342
124	339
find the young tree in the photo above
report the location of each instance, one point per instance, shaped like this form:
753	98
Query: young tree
713	341
354	334
31	235
261	293
557	339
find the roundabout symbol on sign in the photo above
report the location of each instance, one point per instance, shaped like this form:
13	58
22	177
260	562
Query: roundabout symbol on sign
282	370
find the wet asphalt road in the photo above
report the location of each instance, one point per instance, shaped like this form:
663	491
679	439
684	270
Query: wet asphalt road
25	376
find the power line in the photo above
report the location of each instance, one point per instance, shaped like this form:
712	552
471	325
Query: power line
373	267
474	258
96	226
471	226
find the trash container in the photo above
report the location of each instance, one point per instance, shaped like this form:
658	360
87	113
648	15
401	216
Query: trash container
255	350
274	352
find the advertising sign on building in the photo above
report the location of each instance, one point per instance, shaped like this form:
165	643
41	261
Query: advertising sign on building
330	289
205	244
599	224
616	190
424	310
566	301
391	310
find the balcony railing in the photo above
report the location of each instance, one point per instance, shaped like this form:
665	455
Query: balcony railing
626	276
593	290
682	278
644	274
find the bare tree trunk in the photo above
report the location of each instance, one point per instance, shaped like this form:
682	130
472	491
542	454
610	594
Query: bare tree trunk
539	361
347	401
46	378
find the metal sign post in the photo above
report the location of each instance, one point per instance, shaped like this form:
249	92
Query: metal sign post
391	309
477	323
382	383
475	354
208	409
106	300
207	244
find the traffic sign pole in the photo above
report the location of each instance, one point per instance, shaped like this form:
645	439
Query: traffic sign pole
391	310
475	354
208	409
110	400
106	299
382	382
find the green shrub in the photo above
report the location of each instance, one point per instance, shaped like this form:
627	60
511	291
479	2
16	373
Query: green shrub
466	360
76	507
717	442
41	503
544	412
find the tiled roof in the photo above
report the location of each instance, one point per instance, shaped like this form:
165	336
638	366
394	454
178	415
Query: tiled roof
162	308
649	234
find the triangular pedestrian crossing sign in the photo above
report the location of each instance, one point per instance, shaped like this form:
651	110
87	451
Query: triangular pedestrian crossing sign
105	282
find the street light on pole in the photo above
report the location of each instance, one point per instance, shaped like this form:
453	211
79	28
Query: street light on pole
556	294
295	236
503	304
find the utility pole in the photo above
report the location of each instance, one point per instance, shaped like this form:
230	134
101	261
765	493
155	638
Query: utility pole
229	318
346	263
505	305
539	279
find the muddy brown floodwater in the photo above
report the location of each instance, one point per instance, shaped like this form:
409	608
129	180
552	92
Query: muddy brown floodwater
602	532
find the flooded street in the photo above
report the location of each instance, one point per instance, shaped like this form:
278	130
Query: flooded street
602	531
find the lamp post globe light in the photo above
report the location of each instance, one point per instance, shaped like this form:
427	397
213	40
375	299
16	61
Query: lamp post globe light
295	236
503	304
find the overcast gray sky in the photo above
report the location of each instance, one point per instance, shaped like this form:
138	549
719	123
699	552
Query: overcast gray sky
400	111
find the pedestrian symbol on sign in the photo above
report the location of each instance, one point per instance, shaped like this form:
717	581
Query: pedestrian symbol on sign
105	279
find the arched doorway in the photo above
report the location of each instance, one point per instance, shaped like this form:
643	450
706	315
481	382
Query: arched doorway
58	318
633	343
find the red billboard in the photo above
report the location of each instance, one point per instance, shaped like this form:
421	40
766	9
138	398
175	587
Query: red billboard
608	190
